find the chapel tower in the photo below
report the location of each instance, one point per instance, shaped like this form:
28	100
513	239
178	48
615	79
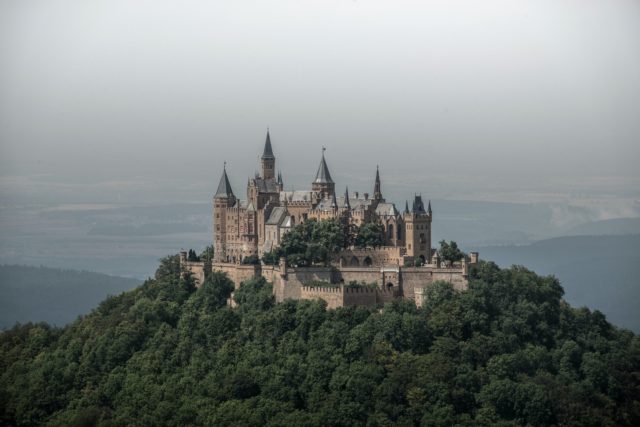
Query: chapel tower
268	160
323	184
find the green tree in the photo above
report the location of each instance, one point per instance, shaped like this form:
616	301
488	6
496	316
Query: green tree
450	251
370	235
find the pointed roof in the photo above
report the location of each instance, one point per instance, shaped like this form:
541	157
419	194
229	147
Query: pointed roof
429	208
334	202
323	176
406	206
224	187
279	178
268	151
418	206
377	175
346	198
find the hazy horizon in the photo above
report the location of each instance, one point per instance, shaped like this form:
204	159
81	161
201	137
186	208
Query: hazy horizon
454	99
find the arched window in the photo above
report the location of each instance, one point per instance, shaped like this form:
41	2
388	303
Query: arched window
390	231
398	232
367	262
354	262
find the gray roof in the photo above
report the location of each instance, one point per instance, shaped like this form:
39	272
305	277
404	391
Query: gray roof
323	176
224	187
266	185
295	196
418	205
268	151
386	209
278	214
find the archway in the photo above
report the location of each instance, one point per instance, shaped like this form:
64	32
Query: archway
343	261
354	262
389	286
367	262
422	260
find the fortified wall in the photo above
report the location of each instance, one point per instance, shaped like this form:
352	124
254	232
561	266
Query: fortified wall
341	285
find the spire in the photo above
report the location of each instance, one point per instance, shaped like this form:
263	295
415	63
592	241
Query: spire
268	151
334	202
224	187
377	194
280	178
323	176
406	206
429	208
347	204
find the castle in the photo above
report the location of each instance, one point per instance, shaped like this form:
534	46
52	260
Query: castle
247	229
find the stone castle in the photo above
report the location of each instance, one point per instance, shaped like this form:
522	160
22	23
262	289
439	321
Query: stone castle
252	227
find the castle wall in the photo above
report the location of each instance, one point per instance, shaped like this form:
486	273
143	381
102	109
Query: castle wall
238	273
360	296
196	268
332	295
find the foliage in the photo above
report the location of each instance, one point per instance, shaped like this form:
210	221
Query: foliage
192	256
312	242
270	258
370	235
509	351
251	259
450	251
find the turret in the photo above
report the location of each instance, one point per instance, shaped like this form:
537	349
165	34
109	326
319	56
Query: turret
222	200
323	183
418	230
268	160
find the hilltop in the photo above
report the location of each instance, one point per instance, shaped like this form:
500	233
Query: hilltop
507	350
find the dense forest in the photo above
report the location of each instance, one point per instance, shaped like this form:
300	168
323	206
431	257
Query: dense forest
509	351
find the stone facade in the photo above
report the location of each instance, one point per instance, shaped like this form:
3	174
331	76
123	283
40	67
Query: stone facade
252	227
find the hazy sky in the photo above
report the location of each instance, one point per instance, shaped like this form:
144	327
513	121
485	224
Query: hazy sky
495	91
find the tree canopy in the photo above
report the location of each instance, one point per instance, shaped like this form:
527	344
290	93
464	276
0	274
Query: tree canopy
450	251
508	351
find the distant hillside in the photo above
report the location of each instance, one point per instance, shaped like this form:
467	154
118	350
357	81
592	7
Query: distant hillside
599	272
32	294
617	226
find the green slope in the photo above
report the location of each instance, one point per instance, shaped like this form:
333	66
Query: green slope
509	351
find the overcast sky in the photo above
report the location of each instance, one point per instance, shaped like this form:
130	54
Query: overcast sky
495	91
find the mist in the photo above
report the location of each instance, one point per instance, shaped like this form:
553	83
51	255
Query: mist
462	96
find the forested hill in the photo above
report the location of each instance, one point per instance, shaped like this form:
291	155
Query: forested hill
509	351
53	295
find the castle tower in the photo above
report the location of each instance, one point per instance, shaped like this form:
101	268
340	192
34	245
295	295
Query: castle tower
418	230
268	160
323	183
222	200
377	193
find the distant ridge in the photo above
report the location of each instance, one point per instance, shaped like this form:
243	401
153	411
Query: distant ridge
56	296
599	272
616	226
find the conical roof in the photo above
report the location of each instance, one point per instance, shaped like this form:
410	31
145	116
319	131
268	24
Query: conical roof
323	176
268	151
224	187
347	204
